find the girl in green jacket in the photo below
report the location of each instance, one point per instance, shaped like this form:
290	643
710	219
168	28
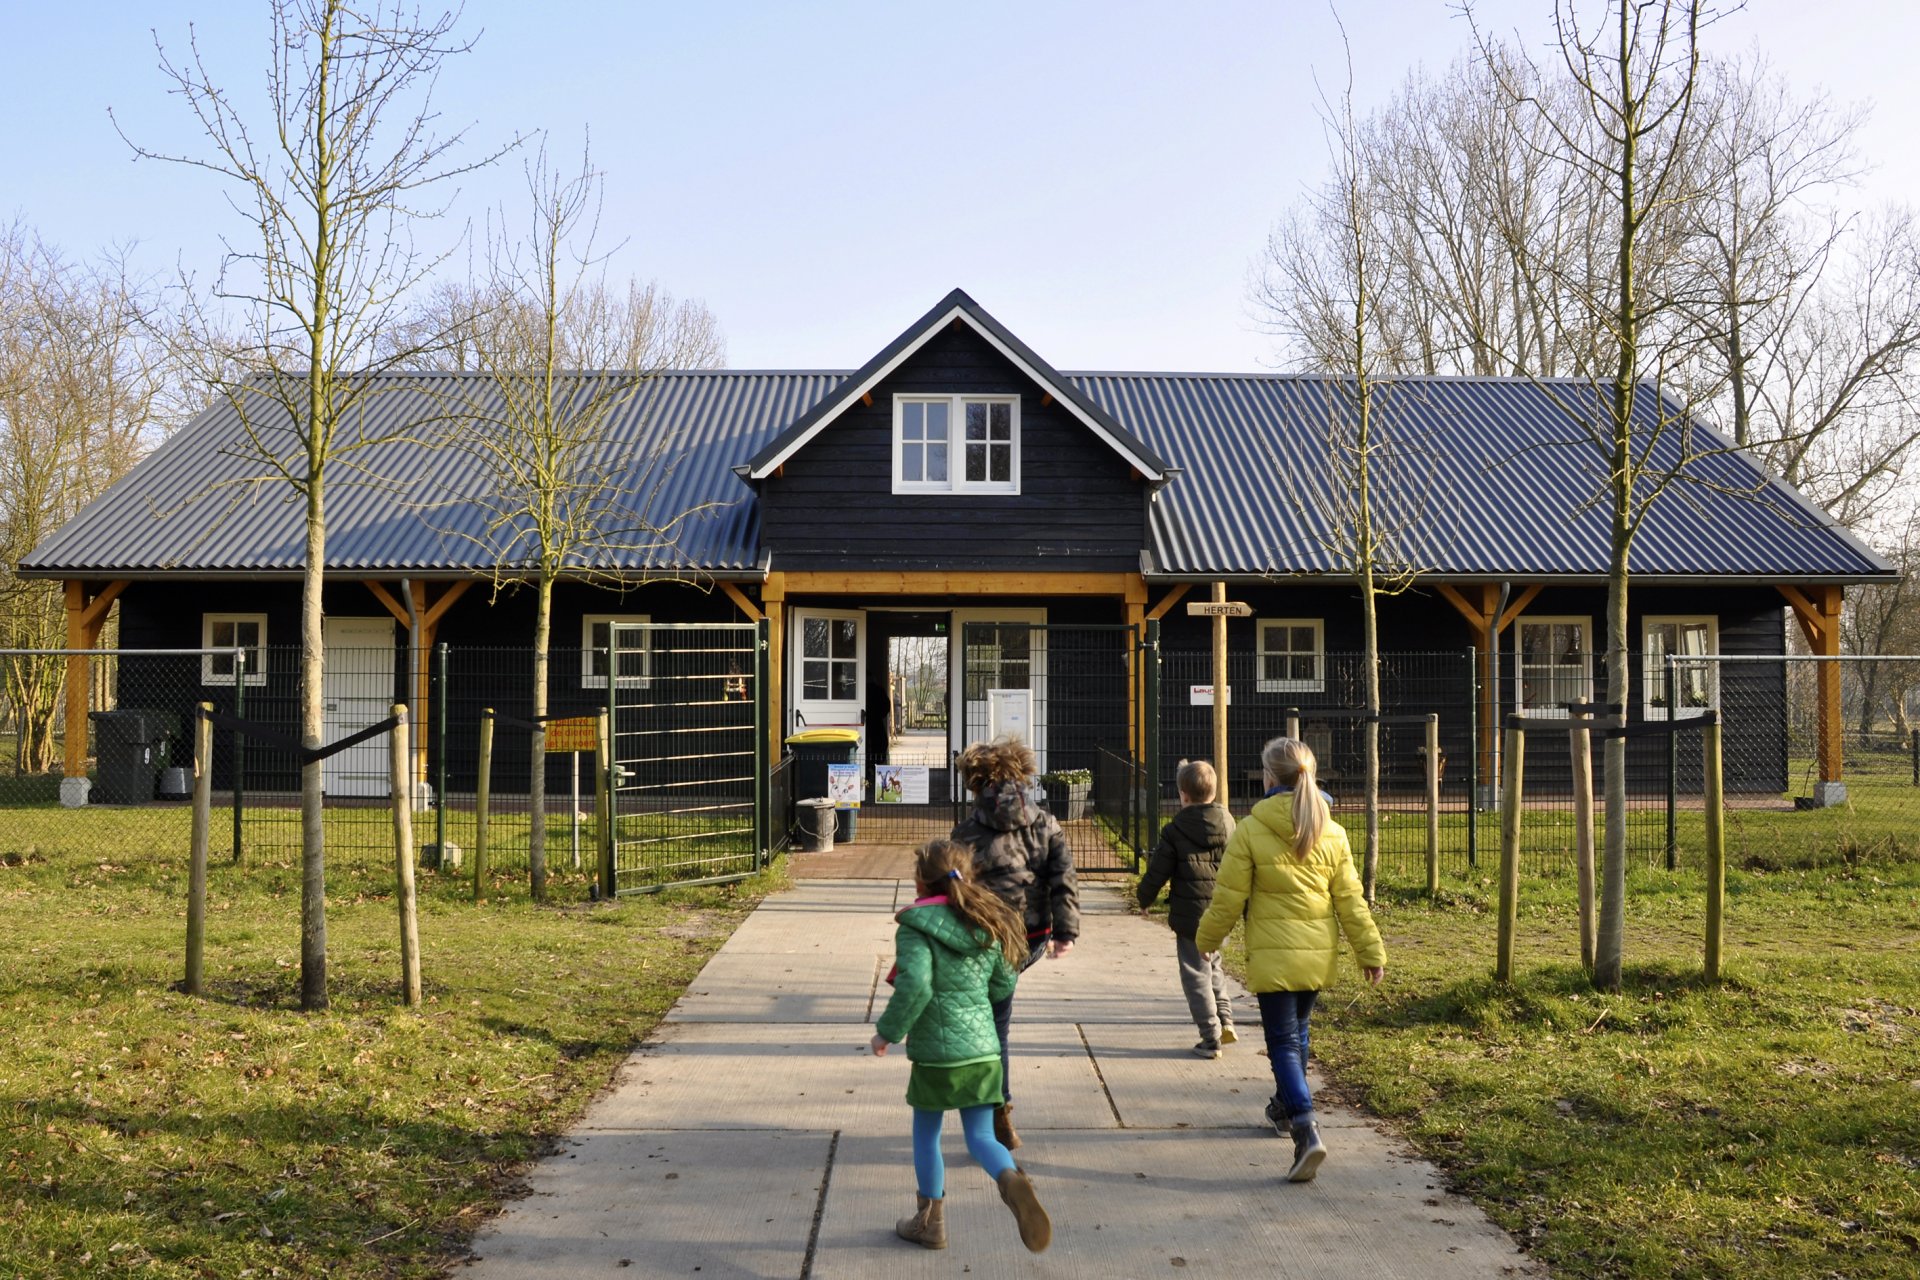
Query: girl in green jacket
1289	870
955	949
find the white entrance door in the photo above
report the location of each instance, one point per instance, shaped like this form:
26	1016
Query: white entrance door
357	692
1008	652
830	671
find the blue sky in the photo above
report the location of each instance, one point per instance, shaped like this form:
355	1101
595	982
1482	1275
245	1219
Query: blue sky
1098	175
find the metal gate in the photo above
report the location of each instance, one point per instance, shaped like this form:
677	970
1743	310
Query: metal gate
1081	696
689	776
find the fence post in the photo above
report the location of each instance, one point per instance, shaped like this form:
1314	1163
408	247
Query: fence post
482	785
1150	717
1673	766
239	752
1433	805
1292	723
197	868
1513	758
400	774
1710	752
762	765
440	755
1473	757
1580	736
603	799
1916	757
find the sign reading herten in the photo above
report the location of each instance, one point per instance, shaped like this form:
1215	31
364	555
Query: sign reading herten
1219	609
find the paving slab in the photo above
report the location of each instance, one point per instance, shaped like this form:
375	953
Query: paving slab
663	1204
828	984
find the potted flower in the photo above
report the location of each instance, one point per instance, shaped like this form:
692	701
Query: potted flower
1067	792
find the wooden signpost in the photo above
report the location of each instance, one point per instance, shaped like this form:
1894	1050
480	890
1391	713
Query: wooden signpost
1220	609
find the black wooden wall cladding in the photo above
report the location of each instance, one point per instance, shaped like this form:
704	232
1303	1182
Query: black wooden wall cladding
1079	509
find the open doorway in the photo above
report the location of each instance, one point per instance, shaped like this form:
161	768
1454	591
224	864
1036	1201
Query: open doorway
917	698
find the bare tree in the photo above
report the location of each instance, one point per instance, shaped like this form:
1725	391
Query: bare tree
329	183
1319	285
86	389
560	357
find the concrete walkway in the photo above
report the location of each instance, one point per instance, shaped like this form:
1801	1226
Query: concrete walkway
753	1135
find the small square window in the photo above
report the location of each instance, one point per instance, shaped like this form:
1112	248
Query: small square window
1691	643
634	658
1293	655
245	632
924	444
1553	659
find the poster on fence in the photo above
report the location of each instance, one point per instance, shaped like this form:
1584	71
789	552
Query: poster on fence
843	785
901	784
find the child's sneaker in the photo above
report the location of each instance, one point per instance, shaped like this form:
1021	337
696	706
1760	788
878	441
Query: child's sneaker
1278	1119
1207	1049
1228	1035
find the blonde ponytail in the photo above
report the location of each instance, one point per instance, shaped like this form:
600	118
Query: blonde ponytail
1289	762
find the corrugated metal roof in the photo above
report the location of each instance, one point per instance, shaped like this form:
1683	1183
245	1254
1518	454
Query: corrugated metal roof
1506	485
203	503
1505	479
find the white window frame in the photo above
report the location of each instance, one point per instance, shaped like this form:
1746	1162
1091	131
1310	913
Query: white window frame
590	675
1653	681
1318	683
956	481
1585	623
256	653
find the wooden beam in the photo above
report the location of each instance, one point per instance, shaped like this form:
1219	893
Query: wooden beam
1519	606
430	618
385	597
95	614
739	598
1046	398
1829	599
1169	600
74	749
774	588
1804	610
886	583
774	597
1466	610
866	399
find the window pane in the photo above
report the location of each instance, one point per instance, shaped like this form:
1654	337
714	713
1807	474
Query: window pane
247	634
633	656
843	682
813	679
813	642
1302	639
1002	462
1273	666
1693	640
223	638
1000	418
936	421
844	631
976	462
221	664
911	462
1301	667
913	421
937	463
976	422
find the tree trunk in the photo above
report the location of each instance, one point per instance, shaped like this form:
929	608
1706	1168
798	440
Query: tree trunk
313	830
537	783
1370	626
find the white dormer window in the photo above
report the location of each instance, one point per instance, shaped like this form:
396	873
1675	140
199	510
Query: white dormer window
956	444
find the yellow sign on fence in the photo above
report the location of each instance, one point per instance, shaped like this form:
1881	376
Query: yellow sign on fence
576	733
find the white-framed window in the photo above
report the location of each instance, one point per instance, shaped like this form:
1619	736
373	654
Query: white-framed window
1293	655
830	659
230	631
1696	683
634	661
1553	664
956	444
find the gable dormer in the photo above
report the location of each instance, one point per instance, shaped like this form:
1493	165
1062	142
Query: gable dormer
955	447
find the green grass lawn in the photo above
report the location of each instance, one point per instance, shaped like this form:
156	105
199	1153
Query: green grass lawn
235	1136
1766	1127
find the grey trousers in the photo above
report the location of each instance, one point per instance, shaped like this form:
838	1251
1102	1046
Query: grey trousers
1206	989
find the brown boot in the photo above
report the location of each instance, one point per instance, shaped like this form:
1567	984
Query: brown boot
1016	1192
1003	1127
928	1226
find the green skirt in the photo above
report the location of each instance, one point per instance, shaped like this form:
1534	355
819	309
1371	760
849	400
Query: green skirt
966	1084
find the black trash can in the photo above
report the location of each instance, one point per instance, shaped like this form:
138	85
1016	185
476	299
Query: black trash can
130	744
846	825
813	751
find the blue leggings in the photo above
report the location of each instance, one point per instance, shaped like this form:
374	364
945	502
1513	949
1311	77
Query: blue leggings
976	1123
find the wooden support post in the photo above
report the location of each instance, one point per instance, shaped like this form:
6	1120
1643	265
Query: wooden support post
401	777
603	800
1134	594
1580	739
1710	750
1220	695
74	753
1831	715
1514	752
202	830
482	785
773	598
1433	806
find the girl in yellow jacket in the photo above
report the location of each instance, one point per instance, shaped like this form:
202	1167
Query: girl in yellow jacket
1289	870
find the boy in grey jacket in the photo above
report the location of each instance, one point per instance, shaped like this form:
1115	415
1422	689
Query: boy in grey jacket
1187	857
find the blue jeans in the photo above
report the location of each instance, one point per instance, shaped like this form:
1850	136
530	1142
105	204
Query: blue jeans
1003	1024
930	1169
1284	1015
